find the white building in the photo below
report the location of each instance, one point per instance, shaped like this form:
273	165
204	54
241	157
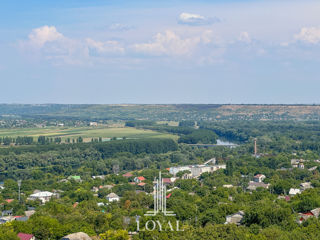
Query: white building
42	196
305	186
259	178
235	218
294	191
175	170
197	170
93	124
112	197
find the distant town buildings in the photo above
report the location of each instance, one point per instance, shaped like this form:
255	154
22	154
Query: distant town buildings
93	124
197	170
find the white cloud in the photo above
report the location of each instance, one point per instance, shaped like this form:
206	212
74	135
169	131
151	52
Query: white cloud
195	19
39	36
169	43
244	37
309	35
107	47
120	27
47	43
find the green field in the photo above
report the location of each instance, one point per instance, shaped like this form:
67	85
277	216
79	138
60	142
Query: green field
86	132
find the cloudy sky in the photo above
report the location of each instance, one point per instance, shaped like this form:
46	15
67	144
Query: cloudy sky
168	51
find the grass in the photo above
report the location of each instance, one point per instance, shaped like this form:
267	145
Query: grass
86	132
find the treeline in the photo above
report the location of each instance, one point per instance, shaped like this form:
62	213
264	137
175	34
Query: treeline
186	123
18	141
170	129
42	140
161	145
134	146
47	140
188	134
199	136
139	123
97	158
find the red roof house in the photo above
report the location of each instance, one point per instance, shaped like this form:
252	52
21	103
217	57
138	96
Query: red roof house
75	204
127	175
25	236
139	179
9	200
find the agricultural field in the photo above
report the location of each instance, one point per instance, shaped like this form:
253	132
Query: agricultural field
87	133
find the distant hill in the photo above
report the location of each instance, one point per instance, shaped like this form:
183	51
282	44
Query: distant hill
175	112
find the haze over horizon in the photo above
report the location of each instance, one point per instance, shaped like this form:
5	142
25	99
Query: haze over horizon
145	52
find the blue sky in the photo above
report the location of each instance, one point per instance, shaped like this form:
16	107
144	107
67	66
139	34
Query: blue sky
169	51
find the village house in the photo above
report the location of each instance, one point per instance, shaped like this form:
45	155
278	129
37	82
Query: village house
106	187
6	213
102	177
127	175
313	168
300	165
112	197
235	218
142	184
29	213
77	236
9	200
227	186
76	178
44	196
294	191
304	216
22	218
95	189
305	186
259	178
186	176
297	163
286	198
254	185
169	181
139	179
93	124
26	236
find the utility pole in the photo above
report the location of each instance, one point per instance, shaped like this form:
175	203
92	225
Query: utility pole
19	185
